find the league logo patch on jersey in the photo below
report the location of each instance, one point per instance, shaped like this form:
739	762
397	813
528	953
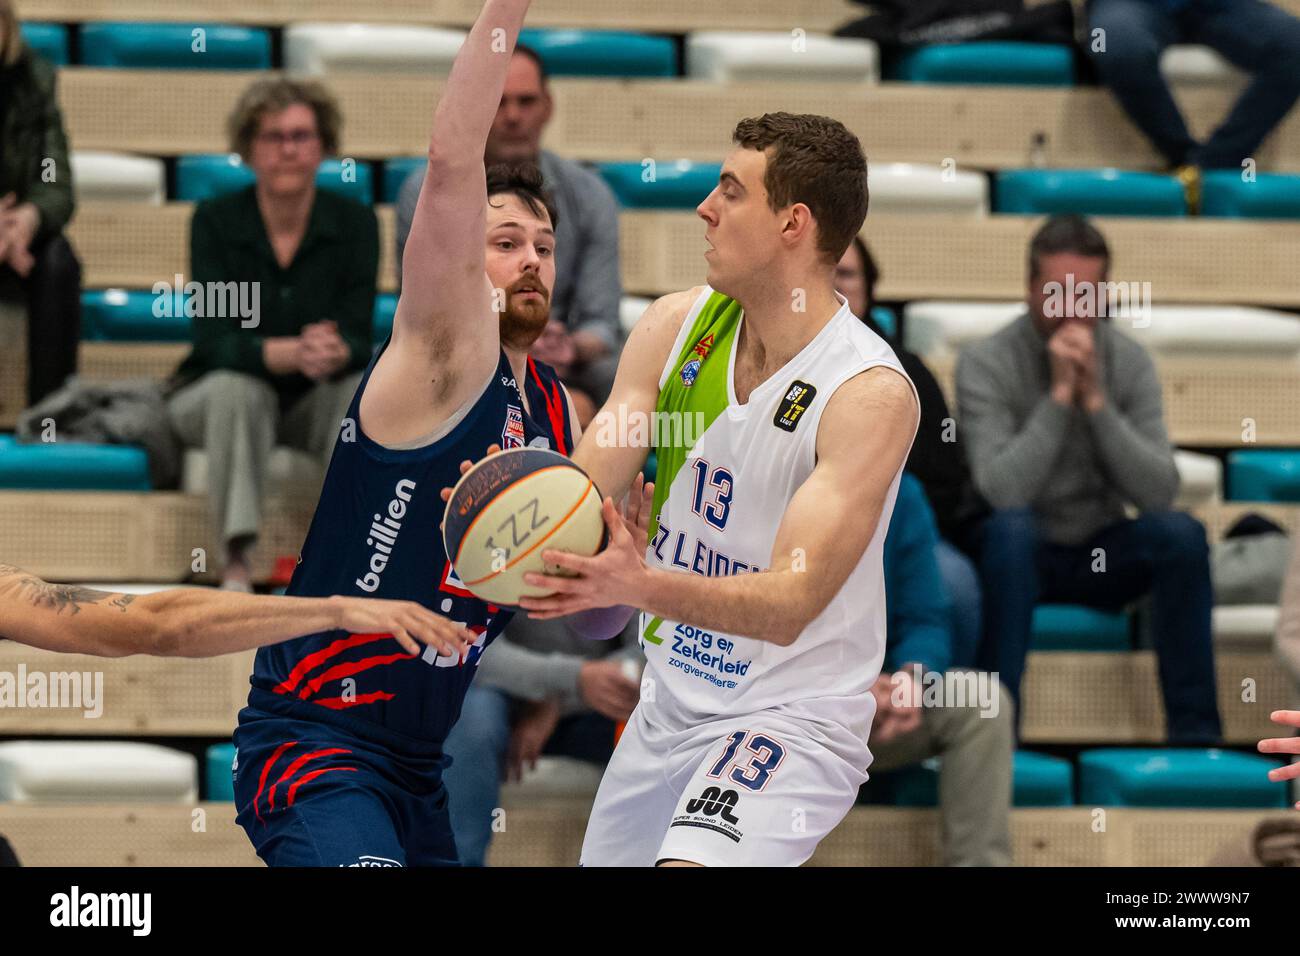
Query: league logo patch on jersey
797	399
512	435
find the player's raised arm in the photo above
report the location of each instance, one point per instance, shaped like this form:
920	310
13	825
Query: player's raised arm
862	441
604	452
446	299
199	622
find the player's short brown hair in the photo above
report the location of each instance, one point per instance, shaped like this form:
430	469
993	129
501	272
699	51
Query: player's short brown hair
524	180
814	160
278	93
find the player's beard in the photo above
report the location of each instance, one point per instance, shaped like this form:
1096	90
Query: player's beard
524	319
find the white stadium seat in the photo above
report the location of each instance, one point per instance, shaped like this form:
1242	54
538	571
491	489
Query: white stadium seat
313	49
118	176
743	56
1200	478
942	328
630	310
554	777
913	188
1192	65
1245	627
65	771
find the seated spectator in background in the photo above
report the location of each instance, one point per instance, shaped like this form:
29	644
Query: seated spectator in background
936	459
976	747
588	286
542	690
309	257
38	267
1256	37
1062	420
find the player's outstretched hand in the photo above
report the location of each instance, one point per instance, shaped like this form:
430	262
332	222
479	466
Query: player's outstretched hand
410	624
1283	745
617	575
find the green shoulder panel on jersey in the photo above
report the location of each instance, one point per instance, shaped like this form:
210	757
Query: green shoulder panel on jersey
695	392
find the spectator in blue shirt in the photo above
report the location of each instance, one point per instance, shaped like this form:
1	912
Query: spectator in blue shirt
975	742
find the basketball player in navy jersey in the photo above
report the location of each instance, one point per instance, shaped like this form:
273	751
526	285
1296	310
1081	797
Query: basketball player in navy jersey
339	751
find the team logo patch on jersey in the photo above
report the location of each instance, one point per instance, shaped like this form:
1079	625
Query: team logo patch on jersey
690	372
797	399
512	435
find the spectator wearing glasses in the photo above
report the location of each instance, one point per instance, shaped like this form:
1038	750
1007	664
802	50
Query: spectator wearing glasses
307	259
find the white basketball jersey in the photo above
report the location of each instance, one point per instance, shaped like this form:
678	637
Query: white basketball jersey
718	505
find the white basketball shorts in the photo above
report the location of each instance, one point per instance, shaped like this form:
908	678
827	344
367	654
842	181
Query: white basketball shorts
761	790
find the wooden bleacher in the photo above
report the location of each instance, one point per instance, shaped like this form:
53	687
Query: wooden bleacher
664	16
1197	261
667	16
549	833
168	113
1069	698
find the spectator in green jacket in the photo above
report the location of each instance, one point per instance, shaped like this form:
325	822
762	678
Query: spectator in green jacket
287	277
38	267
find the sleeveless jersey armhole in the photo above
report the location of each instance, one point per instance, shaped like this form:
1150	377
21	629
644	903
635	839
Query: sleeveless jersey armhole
810	443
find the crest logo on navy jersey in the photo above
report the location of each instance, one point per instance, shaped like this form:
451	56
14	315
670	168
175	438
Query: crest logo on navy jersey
797	399
512	435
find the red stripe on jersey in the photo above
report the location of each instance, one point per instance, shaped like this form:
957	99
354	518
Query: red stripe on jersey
335	648
298	765
339	671
266	769
308	778
554	407
338	703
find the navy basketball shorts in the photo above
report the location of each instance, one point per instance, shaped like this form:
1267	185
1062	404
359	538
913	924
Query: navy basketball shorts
311	793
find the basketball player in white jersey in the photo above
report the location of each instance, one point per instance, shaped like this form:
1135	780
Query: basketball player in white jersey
761	586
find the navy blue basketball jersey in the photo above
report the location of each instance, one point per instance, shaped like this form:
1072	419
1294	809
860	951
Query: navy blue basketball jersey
376	533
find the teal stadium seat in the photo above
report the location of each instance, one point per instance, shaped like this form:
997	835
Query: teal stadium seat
1270	196
1069	627
1038	780
385	310
1140	777
205	175
72	466
219	779
602	53
1089	192
121	315
396	172
49	40
987	62
1264	474
883	316
175	46
667	185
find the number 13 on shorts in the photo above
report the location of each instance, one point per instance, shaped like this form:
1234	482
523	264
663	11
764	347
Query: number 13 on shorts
756	762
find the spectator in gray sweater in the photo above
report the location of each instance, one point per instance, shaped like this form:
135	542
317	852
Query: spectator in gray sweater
588	286
1062	421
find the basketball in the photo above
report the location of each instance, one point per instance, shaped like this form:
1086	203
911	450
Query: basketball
509	508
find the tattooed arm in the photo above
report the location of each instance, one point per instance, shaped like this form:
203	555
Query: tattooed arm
199	622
